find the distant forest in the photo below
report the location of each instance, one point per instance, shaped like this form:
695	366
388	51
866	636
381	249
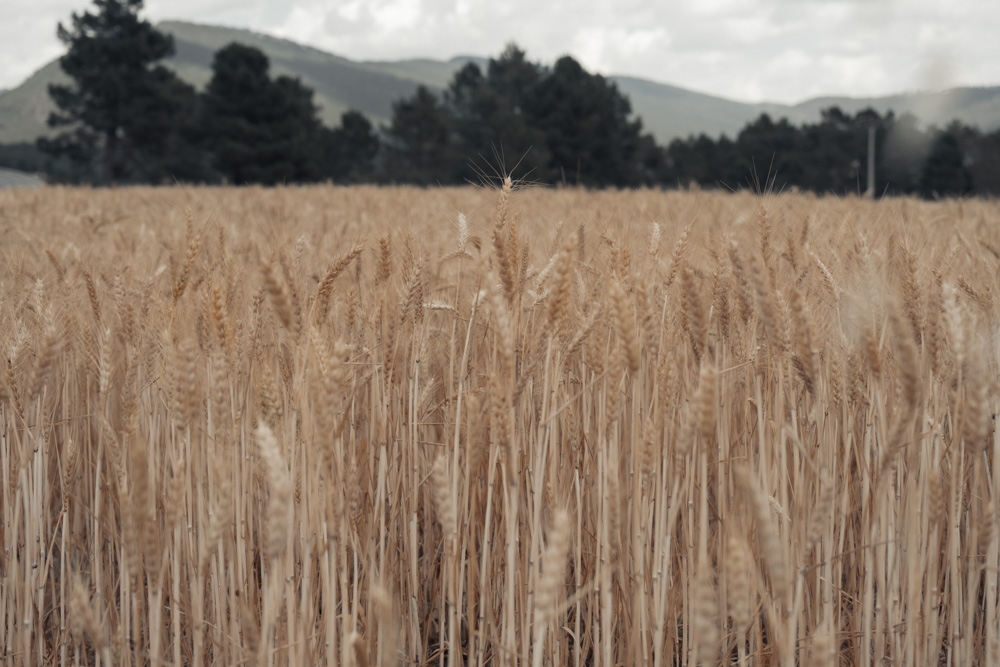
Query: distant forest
139	123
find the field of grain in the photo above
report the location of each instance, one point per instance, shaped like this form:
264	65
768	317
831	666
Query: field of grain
486	427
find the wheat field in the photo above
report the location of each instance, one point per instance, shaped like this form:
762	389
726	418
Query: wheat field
376	426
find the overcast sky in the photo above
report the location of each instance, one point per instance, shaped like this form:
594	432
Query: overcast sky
750	50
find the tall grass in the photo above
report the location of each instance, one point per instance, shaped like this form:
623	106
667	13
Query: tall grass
459	427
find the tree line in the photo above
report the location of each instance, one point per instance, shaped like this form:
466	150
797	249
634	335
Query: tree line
830	156
126	118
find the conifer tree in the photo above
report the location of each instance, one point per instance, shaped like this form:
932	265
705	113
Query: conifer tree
258	129
116	82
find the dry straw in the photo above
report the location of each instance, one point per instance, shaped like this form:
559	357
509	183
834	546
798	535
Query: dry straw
772	445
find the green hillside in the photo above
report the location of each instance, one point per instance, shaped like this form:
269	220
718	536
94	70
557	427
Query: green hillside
24	109
669	111
340	84
372	87
973	106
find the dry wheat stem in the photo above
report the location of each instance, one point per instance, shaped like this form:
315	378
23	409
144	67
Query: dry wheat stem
279	445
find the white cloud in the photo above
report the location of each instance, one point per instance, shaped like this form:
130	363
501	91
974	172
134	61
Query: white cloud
351	11
608	48
776	50
397	15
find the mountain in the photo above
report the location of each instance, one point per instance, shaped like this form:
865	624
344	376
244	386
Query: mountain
11	178
23	110
670	112
340	84
371	87
979	106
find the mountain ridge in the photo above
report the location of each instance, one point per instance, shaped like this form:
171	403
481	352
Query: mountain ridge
667	111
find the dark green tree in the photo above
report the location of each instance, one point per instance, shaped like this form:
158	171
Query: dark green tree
472	103
586	124
420	146
652	160
350	150
515	78
770	153
828	157
985	167
165	133
115	82
945	172
831	157
490	119
558	125
693	161
259	130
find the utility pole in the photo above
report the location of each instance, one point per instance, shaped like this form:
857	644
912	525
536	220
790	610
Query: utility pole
870	192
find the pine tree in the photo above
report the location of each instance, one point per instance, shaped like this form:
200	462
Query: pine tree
259	130
349	151
489	111
586	123
115	81
420	147
945	173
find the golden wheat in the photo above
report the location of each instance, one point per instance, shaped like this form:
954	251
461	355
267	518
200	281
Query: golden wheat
774	446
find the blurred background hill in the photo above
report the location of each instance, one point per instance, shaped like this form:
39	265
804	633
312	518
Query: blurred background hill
667	112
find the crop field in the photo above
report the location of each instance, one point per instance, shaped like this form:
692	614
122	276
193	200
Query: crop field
472	426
